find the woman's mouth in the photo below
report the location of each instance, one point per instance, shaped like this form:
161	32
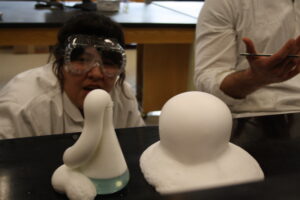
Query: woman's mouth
90	88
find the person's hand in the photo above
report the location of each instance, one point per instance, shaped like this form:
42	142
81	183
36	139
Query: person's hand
276	68
263	70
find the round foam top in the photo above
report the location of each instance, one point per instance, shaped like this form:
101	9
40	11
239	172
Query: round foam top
194	127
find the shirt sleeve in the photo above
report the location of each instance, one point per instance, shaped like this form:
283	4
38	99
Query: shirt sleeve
215	48
134	118
14	121
126	111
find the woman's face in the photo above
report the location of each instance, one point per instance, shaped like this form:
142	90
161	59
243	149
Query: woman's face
77	86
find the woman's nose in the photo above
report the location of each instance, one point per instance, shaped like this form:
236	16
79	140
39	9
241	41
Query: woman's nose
95	73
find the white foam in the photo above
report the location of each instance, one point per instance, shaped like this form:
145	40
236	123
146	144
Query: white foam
194	151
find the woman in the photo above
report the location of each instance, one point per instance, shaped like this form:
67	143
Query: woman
88	55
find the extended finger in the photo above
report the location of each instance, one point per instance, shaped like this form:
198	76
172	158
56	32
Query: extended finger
281	55
297	49
290	66
293	72
281	71
250	48
298	41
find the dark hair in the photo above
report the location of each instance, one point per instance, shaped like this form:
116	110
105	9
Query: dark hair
88	23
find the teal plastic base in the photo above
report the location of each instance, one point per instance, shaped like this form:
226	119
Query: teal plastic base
112	185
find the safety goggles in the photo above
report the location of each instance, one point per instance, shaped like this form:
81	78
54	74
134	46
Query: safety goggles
84	52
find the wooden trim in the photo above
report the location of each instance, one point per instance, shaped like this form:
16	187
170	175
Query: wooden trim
28	36
160	35
47	36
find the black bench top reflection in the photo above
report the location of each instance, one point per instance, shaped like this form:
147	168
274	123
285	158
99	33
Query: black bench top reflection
27	164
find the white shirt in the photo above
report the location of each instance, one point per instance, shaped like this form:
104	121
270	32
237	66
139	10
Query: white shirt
32	104
221	26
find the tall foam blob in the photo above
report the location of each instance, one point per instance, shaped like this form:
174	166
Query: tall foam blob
194	151
95	163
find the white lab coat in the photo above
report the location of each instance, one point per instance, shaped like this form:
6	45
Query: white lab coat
32	104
